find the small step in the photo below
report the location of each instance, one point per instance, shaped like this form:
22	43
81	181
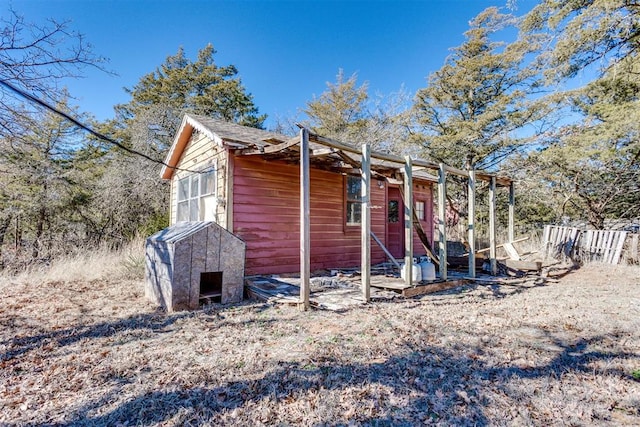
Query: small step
210	295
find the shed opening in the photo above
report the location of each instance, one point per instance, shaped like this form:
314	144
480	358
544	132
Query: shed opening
211	286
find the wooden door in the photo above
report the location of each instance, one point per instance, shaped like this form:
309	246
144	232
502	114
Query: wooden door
395	223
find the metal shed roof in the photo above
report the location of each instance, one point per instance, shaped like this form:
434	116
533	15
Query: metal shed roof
179	231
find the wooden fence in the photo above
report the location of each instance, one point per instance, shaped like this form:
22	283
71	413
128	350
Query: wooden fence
588	245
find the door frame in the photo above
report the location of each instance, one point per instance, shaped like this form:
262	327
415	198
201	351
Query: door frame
388	197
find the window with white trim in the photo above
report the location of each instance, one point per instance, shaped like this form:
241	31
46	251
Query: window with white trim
196	197
354	200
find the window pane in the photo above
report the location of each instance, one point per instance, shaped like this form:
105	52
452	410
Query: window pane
183	211
420	210
194	212
207	183
208	208
195	181
392	212
354	188
353	212
183	189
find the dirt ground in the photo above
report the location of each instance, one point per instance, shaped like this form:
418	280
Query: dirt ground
558	352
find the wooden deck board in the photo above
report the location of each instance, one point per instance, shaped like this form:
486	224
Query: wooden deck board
286	290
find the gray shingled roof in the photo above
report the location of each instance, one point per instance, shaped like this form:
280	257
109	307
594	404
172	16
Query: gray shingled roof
231	132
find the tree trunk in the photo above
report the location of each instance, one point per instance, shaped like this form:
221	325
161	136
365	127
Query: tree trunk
42	215
4	226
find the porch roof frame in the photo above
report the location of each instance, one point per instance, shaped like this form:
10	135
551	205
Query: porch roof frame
366	163
383	159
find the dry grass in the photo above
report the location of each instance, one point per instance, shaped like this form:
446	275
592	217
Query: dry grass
93	352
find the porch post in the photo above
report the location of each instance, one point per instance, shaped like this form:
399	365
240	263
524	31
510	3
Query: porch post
366	222
471	190
512	204
305	219
442	216
408	221
492	226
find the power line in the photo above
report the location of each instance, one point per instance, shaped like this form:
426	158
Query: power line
81	125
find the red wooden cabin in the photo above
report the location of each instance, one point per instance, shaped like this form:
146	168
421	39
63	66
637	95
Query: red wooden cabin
248	181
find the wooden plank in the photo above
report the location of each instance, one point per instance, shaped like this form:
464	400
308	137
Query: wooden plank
348	160
492	227
385	250
408	221
633	248
597	237
471	238
585	241
455	171
511	251
442	214
305	221
602	237
606	248
365	228
552	241
521	239
570	247
429	288
395	286
210	295
271	149
512	202
319	152
562	238
523	265
618	249
504	181
545	240
611	242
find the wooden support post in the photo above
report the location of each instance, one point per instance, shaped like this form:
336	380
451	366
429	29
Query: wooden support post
492	226
471	237
365	268
512	203
442	216
408	221
305	219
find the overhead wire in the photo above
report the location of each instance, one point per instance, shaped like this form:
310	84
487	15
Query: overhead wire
87	128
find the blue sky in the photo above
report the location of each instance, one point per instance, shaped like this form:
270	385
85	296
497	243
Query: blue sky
285	51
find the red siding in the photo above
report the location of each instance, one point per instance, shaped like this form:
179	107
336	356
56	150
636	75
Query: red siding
266	215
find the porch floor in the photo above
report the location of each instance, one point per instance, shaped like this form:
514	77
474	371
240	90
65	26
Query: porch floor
343	290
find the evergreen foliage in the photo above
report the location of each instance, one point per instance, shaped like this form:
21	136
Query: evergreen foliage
591	162
471	106
346	112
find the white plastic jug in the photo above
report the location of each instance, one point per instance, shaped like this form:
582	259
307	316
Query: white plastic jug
428	269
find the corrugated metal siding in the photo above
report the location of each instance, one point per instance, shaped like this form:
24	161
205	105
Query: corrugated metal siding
266	211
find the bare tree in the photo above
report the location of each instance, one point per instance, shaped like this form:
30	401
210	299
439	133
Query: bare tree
37	58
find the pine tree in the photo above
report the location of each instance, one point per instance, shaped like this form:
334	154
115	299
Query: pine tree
346	112
474	103
592	161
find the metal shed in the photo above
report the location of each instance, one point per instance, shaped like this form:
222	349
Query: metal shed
193	261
